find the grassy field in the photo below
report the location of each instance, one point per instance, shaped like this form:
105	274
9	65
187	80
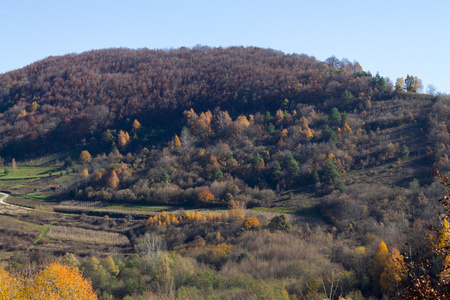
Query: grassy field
28	172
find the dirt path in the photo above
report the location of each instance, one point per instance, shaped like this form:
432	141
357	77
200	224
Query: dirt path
4	196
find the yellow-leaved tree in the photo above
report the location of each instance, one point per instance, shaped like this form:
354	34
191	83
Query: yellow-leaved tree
85	156
176	141
251	223
84	174
163	274
123	138
34	106
136	125
378	266
10	287
55	281
399	83
393	273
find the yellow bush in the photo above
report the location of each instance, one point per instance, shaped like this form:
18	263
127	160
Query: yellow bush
251	223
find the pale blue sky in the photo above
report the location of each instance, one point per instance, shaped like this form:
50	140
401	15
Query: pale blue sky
394	37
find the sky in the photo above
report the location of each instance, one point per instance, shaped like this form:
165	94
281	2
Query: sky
392	37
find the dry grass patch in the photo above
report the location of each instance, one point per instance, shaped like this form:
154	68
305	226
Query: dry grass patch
87	235
7	222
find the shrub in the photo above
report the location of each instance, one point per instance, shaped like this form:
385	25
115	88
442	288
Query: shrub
279	223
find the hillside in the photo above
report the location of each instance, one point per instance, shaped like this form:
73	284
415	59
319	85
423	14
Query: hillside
78	97
128	133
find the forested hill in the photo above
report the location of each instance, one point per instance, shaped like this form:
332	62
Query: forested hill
347	154
60	102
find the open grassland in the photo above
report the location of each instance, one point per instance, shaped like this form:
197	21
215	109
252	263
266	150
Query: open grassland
87	235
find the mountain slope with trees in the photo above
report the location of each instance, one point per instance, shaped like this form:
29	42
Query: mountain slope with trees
60	101
348	153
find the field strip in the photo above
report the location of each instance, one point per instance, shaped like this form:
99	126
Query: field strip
87	235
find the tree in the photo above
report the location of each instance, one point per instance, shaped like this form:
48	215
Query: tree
165	177
379	82
275	176
176	141
328	134
413	84
123	138
55	281
335	117
13	164
404	152
279	223
34	106
251	223
270	128
68	162
431	89
242	120
135	126
379	261
164	275
421	282
399	83
110	266
205	196
393	273
9	286
85	156
293	168
347	96
58	281
331	175
280	116
85	173
218	174
113	180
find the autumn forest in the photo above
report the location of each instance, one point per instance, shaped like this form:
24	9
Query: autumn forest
221	173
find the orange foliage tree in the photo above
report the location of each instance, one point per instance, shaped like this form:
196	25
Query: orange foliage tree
113	180
136	125
251	223
205	196
242	120
84	174
176	141
85	156
393	274
123	138
10	287
55	281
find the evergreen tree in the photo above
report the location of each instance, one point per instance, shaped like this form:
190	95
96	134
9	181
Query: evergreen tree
218	173
165	177
279	223
335	117
331	175
275	176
